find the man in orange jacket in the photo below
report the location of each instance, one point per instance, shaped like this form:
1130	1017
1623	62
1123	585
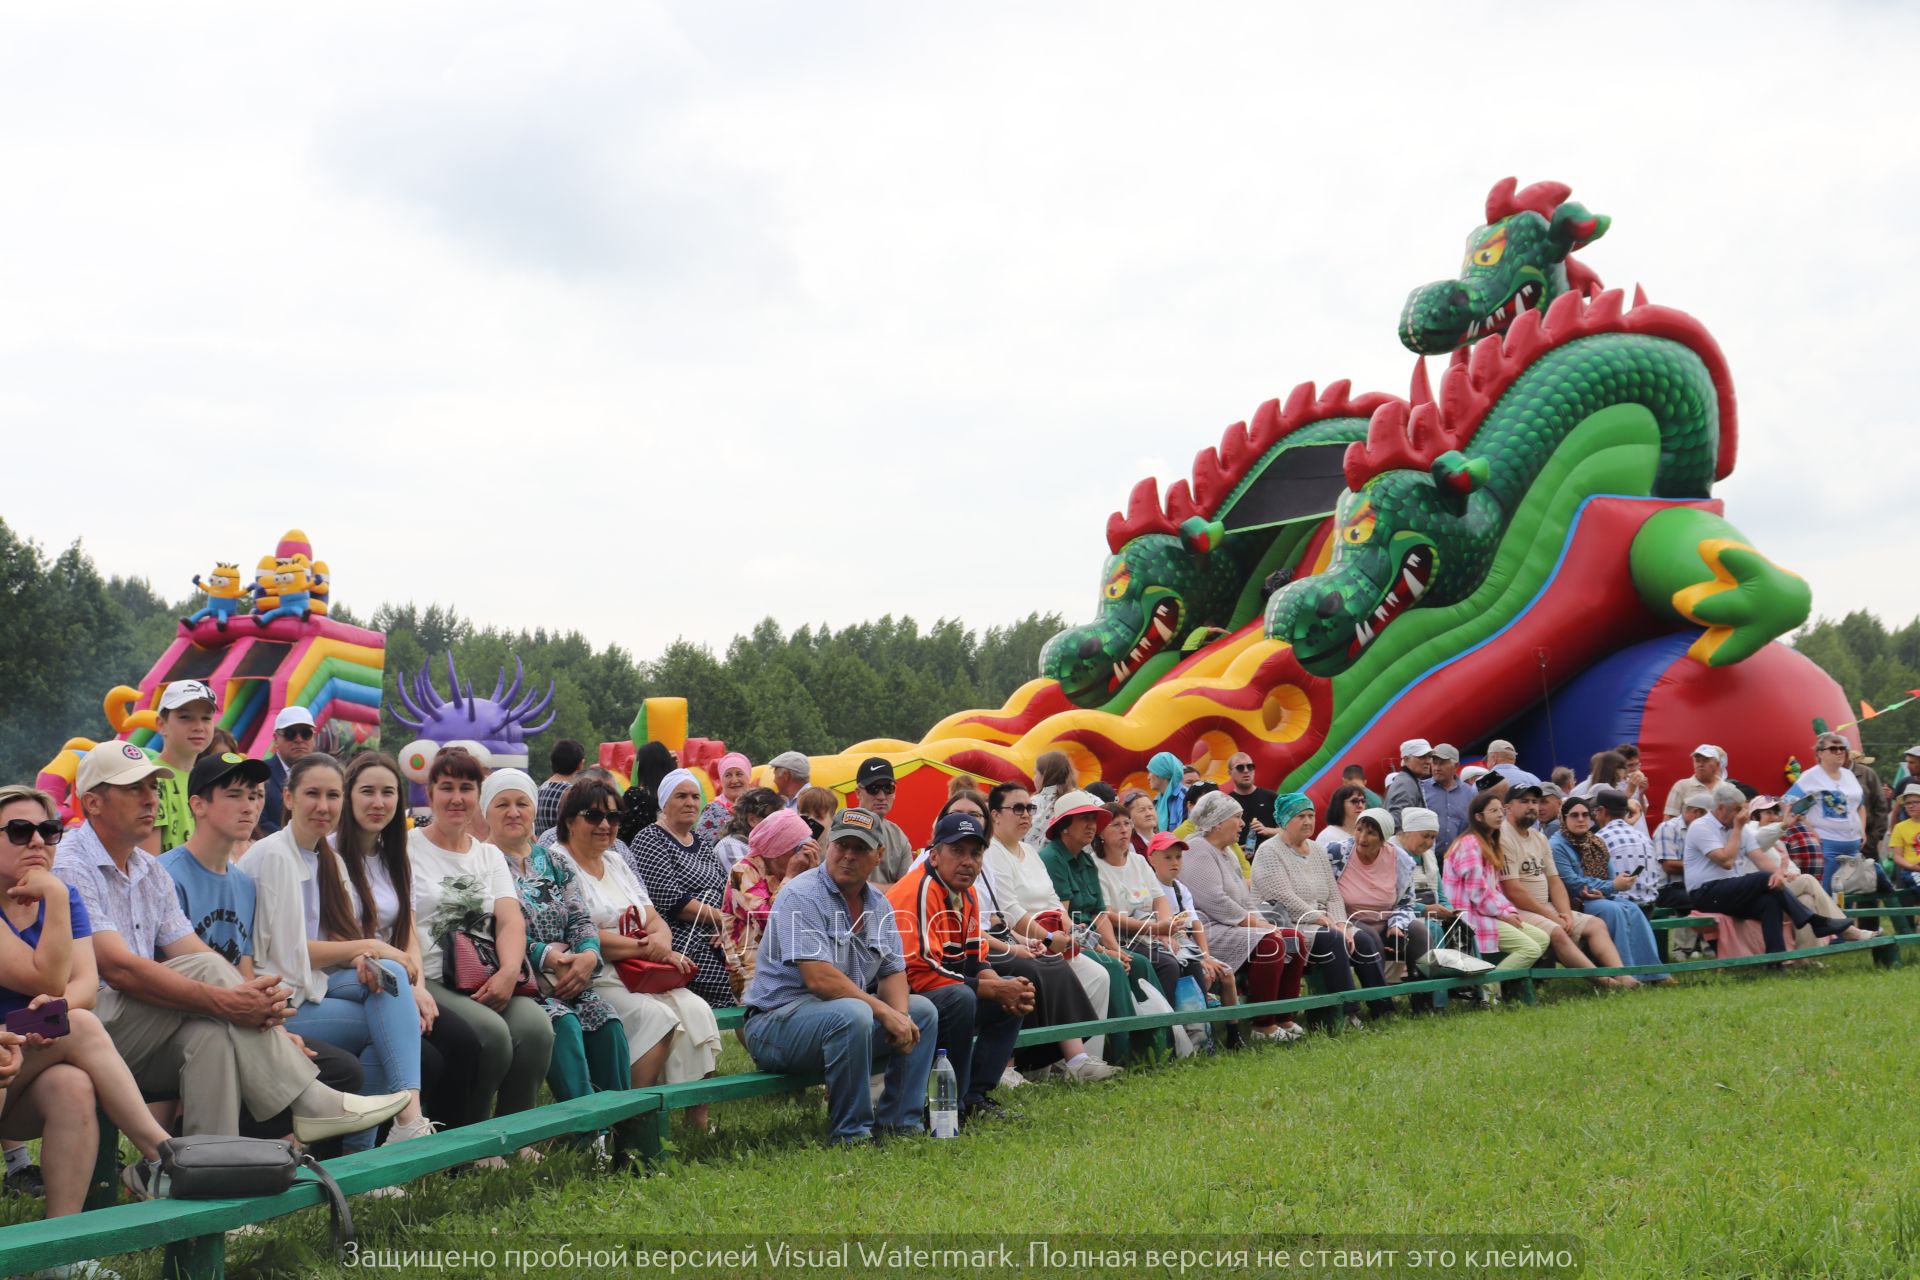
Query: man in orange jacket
937	915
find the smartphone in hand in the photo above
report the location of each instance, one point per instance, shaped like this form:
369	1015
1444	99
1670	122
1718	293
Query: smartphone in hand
49	1020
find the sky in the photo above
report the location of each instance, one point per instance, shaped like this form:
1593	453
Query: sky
654	320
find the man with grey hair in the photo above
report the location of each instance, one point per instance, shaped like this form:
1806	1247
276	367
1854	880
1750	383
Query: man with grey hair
1716	841
791	773
1446	794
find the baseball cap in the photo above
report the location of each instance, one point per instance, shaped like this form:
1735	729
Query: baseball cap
1913	750
873	769
1708	749
795	763
1501	745
1758	803
115	764
862	825
1167	840
213	771
1415	747
291	716
1699	798
1552	789
1445	751
956	827
1523	785
1474	772
1417	819
182	692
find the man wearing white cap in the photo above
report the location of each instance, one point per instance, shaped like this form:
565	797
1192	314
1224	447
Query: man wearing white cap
187	713
1403	788
1709	766
182	1017
292	738
791	773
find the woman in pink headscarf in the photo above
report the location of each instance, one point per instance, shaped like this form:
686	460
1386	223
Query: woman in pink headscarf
735	773
780	848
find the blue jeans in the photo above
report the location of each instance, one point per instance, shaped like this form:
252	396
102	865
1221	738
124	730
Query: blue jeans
978	1037
1630	931
838	1039
384	1030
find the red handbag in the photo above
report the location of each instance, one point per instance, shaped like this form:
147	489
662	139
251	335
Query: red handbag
647	977
471	959
1054	920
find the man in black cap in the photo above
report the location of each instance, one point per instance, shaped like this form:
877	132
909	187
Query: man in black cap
874	785
938	916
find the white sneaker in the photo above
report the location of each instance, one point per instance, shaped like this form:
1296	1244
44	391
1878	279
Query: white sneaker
1279	1033
356	1113
1089	1069
1293	1031
1353	1020
406	1132
1011	1078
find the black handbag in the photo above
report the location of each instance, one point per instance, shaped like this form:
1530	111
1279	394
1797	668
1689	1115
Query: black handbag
215	1167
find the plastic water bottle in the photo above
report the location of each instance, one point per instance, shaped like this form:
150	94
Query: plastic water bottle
943	1098
1188	998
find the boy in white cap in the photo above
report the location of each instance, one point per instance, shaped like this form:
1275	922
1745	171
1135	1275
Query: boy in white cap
293	731
187	714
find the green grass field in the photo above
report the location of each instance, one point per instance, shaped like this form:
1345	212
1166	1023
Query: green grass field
1745	1124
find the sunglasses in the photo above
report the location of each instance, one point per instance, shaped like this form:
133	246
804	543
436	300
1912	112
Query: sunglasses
1833	748
21	831
878	788
594	817
1034	808
1243	768
297	731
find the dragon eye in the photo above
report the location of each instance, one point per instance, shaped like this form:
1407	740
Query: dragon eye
1117	584
1490	253
1359	531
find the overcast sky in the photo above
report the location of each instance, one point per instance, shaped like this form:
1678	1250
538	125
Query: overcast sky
654	320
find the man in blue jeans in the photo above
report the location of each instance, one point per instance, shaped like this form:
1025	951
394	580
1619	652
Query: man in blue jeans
829	991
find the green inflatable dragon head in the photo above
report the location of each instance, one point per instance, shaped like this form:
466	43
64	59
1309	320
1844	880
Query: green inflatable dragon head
1184	572
1517	262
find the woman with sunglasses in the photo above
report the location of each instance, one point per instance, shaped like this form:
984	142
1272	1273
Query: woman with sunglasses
1019	891
1586	868
1344	808
50	1087
1836	814
671	1035
371	844
458	880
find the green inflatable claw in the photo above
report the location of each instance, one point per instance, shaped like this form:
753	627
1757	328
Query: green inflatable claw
1693	566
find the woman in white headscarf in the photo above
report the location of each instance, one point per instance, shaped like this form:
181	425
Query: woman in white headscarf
687	883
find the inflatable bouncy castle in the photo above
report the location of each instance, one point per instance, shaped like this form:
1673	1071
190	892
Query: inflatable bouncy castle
1525	546
284	652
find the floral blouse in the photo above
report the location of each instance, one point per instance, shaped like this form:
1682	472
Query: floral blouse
713	820
557	915
748	903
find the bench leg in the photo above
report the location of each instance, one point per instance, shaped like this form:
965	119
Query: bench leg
200	1258
645	1134
103	1192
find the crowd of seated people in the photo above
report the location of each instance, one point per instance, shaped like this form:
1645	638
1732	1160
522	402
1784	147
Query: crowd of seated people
274	947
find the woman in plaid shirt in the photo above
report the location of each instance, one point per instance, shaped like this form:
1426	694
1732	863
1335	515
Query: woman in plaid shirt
1472	880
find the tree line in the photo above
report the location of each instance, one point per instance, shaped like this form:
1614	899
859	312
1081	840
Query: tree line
69	633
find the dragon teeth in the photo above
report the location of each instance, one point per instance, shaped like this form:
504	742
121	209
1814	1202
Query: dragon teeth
1364	631
1414	586
1160	625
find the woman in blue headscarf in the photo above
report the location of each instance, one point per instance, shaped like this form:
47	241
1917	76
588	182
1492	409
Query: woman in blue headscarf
1170	805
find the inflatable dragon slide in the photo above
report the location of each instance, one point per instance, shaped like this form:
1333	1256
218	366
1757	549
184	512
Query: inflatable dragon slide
1533	551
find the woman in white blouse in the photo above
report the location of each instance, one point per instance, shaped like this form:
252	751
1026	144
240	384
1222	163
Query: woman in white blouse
1136	898
671	1036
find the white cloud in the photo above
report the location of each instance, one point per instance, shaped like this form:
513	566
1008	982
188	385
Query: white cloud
666	318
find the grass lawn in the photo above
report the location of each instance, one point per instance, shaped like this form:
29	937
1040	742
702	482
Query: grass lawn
1745	1124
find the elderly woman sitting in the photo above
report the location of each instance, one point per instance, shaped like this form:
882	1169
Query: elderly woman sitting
671	1035
589	1044
685	879
1238	934
1294	875
1078	819
1375	879
735	774
780	847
